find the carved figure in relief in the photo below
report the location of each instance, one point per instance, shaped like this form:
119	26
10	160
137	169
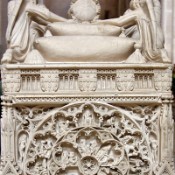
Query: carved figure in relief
64	158
68	158
146	13
164	132
22	147
45	151
20	32
132	146
154	147
36	23
88	117
57	127
93	146
103	154
82	147
61	126
113	124
72	158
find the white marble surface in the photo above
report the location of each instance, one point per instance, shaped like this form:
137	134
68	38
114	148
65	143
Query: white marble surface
86	116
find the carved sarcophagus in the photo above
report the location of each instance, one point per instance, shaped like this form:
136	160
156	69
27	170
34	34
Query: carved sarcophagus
86	115
112	124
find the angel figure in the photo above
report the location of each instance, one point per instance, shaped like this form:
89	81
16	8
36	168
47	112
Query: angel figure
22	29
142	20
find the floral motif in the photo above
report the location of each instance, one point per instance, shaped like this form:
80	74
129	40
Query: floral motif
89	166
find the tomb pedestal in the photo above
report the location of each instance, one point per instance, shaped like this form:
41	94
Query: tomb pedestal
87	118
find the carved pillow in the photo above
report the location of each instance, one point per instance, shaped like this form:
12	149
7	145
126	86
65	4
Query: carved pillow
85	48
62	29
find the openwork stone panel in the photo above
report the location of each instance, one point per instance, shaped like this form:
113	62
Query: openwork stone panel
85	96
86	138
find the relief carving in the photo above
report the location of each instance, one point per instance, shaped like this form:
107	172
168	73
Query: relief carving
125	80
89	138
163	79
103	90
11	81
87	80
42	80
22	147
49	80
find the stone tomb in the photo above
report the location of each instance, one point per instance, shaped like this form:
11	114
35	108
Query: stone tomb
84	96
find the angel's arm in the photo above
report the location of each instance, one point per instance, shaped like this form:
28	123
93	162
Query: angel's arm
43	13
123	21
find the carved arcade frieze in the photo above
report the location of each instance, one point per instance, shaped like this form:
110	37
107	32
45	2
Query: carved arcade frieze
44	80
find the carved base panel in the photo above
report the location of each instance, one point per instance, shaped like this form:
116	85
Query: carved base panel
127	133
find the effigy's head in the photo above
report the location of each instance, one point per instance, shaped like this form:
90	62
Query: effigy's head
85	10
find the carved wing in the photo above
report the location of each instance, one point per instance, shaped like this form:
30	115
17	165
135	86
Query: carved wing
13	18
14	14
151	12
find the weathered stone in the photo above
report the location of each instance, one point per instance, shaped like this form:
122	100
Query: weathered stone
86	116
